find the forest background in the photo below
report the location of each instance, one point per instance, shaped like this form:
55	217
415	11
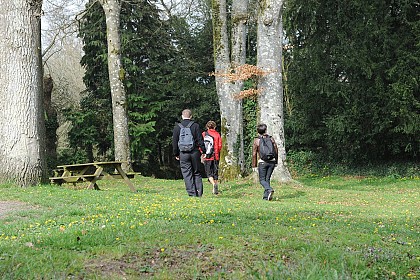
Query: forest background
350	82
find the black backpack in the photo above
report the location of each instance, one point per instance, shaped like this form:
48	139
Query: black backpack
186	139
267	151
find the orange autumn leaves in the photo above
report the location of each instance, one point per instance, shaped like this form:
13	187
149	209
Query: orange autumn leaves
243	73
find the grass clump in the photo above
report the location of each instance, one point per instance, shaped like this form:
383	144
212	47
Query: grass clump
330	227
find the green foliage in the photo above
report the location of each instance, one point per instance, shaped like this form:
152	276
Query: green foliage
89	131
300	163
353	79
165	70
322	228
51	125
308	163
71	156
250	124
187	85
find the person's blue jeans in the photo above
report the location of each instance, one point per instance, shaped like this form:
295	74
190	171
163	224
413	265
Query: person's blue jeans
265	169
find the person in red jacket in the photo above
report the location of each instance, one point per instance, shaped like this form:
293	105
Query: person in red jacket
211	162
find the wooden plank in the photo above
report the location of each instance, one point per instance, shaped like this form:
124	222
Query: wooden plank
91	163
74	165
58	172
74	178
56	180
90	176
108	162
118	176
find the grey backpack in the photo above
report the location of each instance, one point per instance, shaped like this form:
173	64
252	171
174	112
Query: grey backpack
186	139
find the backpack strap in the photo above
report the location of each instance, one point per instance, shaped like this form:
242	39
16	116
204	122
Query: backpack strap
189	125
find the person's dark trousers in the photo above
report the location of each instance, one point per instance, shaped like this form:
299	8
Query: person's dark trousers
265	169
190	169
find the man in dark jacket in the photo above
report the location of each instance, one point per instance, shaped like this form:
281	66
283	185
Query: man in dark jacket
190	161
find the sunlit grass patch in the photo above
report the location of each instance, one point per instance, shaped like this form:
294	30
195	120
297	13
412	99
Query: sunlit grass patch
317	228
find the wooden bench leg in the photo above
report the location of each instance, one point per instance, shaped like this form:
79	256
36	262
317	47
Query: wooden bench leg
97	174
126	179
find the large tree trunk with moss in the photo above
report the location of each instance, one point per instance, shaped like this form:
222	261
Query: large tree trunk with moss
22	131
232	159
112	10
270	101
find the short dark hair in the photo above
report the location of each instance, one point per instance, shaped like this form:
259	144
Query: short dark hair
261	128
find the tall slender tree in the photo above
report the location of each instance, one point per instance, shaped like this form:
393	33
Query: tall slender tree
22	140
269	57
112	9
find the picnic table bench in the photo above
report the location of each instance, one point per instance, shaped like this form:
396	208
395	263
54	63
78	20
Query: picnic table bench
91	172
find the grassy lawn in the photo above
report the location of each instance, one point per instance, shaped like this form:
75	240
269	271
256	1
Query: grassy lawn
316	228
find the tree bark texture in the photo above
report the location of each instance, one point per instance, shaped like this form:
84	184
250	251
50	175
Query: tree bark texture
269	57
51	123
112	9
230	109
238	42
22	130
239	32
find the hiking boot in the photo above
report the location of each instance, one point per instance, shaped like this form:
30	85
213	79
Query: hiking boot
270	195
215	189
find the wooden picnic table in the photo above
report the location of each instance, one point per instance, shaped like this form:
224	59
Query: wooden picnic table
91	172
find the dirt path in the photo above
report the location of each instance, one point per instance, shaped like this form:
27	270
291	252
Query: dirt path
9	206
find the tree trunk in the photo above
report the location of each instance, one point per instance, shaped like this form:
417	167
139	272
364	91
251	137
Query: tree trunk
51	124
112	10
270	101
231	161
239	33
22	131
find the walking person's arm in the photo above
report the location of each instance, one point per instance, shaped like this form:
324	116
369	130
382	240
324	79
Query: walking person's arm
255	147
175	139
218	146
198	137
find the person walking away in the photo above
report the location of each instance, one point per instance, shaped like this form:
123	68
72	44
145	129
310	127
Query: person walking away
265	154
213	144
187	147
